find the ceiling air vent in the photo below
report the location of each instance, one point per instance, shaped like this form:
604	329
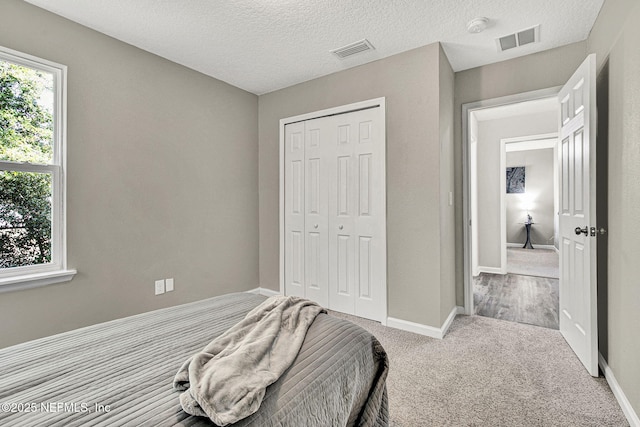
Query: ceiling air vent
353	49
521	38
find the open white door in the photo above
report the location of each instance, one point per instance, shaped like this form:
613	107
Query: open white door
578	299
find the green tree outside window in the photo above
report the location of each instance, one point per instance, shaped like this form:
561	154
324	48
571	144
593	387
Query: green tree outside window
26	135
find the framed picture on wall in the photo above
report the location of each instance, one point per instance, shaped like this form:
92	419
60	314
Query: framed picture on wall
515	179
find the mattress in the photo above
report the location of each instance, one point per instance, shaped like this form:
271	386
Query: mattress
121	372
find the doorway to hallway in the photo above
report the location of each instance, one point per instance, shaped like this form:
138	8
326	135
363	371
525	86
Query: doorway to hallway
514	204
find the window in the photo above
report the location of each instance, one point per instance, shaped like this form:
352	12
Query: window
32	175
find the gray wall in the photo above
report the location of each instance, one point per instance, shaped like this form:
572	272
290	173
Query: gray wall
539	184
447	212
411	84
489	174
615	38
528	73
162	180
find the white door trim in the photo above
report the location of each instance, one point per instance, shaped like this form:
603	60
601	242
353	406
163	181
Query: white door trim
466	182
371	103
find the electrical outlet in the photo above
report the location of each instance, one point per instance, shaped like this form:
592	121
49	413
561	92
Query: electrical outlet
159	287
169	285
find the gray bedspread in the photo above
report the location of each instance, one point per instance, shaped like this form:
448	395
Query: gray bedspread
226	381
120	372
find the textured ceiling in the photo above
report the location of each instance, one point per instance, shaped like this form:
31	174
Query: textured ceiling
264	45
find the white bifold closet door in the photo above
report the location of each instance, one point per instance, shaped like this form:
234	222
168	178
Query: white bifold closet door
335	212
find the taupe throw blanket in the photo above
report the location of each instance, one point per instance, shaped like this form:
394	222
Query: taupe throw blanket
227	380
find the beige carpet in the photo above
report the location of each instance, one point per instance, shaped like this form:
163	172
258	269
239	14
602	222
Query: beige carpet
489	372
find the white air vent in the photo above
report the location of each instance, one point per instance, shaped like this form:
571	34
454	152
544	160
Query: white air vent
353	49
521	38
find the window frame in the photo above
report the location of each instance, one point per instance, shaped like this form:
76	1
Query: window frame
56	270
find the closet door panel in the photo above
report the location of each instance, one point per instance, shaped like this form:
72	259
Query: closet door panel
369	219
316	212
342	208
294	275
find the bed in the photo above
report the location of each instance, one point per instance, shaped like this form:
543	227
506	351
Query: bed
121	372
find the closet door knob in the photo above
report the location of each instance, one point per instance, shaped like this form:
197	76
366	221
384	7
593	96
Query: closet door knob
315	225
340	227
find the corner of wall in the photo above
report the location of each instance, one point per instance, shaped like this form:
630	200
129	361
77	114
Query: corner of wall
447	185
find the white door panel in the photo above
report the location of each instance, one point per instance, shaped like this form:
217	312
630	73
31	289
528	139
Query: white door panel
316	243
356	216
294	209
578	315
370	252
341	215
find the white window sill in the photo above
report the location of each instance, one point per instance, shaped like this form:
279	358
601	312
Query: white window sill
35	280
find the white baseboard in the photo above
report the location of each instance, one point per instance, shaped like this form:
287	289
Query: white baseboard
416	328
536	246
545	247
263	291
627	409
392	322
491	270
447	323
421	329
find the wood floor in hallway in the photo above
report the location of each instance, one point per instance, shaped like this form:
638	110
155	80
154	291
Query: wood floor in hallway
524	299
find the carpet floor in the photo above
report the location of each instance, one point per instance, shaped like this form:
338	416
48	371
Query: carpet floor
488	372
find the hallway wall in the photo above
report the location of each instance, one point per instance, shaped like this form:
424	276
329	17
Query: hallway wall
537	198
